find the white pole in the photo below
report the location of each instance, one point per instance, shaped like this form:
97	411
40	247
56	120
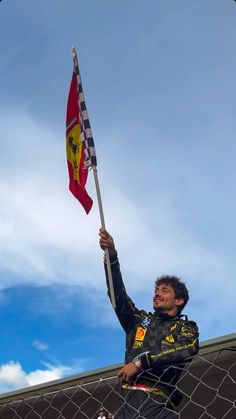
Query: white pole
110	280
108	264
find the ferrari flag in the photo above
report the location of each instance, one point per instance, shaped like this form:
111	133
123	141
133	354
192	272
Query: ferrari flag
79	140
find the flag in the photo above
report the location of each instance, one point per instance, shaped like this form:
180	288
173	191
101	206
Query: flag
80	148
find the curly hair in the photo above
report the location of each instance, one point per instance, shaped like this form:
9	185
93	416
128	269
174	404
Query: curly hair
178	286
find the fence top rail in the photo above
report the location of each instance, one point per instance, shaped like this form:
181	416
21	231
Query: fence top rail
215	344
206	347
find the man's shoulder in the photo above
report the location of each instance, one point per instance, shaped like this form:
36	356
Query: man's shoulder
185	320
188	327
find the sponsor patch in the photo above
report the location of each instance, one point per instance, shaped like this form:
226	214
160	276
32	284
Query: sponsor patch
170	339
145	322
137	344
139	337
174	326
140	333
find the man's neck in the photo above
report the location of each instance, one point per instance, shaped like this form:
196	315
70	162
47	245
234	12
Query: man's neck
169	313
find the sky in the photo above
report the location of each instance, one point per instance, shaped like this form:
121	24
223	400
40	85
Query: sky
159	83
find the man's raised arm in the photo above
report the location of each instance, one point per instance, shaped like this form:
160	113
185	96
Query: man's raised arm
125	309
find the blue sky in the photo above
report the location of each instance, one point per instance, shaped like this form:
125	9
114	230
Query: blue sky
159	81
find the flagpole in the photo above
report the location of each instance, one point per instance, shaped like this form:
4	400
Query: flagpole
92	163
107	258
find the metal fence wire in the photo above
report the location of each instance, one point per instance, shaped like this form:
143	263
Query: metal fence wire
207	385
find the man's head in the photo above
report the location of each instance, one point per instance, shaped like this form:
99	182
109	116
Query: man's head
171	295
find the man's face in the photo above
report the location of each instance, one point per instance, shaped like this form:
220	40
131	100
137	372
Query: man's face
164	300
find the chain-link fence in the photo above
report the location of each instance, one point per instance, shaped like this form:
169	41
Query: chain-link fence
207	385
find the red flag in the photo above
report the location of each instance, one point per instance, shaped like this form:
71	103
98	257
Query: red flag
78	170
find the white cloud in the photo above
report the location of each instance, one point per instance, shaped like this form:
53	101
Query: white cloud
41	346
152	251
13	377
43	376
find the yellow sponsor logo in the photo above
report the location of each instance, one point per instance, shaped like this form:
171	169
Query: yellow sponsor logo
137	344
170	339
173	327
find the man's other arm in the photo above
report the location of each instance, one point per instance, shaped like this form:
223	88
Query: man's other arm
185	347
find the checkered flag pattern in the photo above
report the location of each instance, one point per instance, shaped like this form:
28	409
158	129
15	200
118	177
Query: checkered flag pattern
86	132
207	385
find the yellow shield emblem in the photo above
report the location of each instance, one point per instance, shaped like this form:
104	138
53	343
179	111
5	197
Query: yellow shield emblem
170	339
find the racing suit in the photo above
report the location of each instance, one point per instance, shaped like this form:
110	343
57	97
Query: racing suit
163	343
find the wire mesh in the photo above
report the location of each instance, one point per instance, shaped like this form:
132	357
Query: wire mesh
207	385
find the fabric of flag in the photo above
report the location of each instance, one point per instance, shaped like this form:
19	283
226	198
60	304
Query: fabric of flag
79	141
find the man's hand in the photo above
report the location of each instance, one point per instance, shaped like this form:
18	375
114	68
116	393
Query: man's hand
127	372
106	241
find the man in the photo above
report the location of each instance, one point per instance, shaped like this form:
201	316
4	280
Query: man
157	344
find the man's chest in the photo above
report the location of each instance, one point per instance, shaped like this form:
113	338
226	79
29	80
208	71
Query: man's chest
152	333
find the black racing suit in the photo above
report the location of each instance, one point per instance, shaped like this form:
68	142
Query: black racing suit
163	343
